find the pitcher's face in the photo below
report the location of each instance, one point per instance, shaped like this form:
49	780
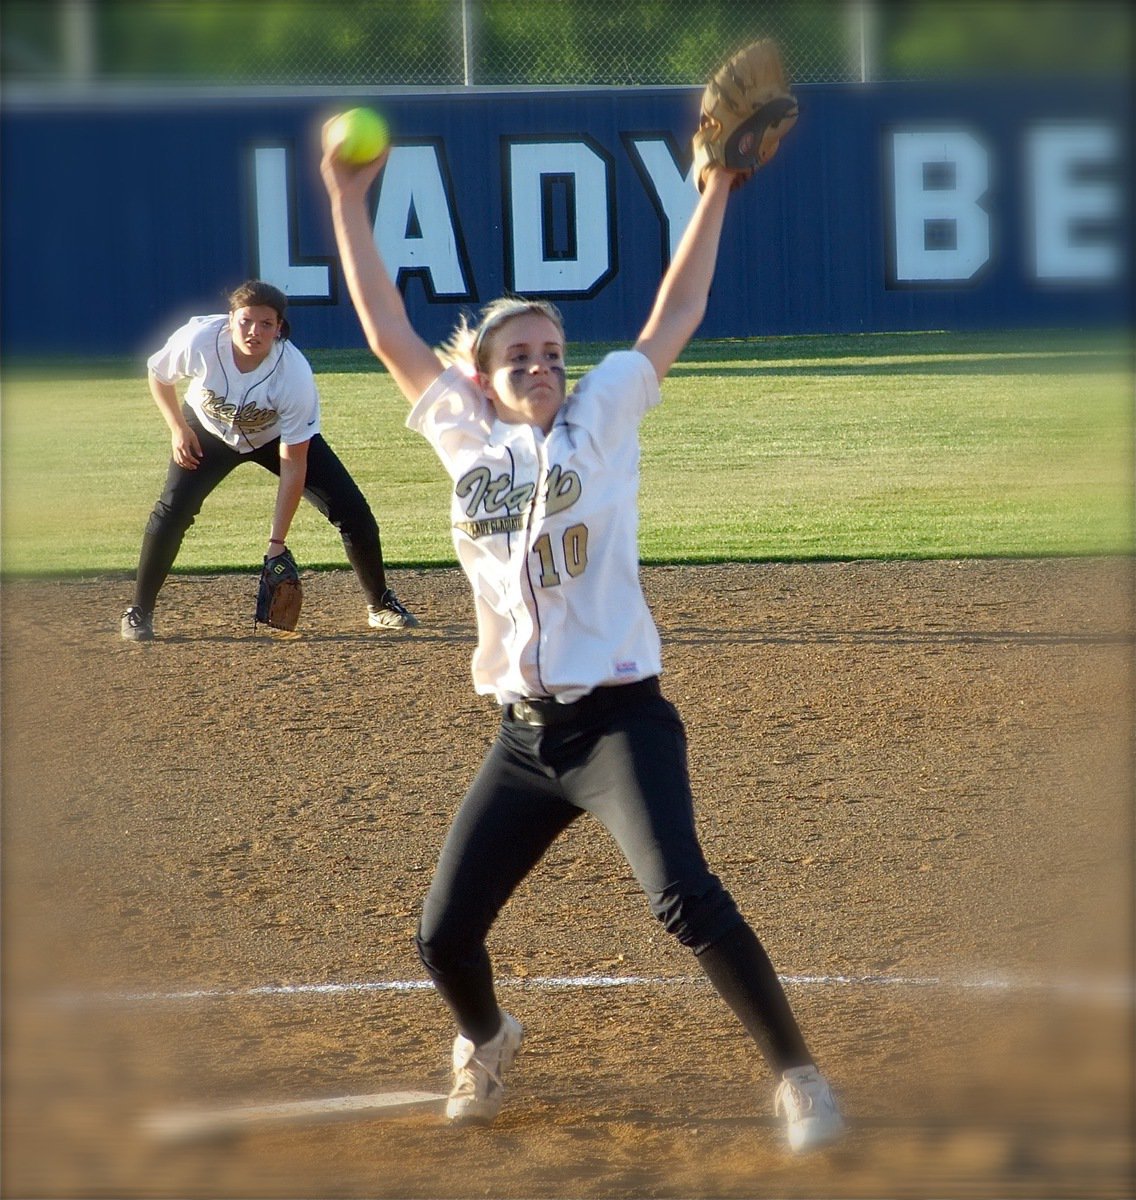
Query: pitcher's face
525	381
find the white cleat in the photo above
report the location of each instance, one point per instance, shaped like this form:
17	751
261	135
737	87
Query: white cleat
390	614
810	1108
478	1072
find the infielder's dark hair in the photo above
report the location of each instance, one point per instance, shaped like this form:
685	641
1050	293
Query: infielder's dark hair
254	293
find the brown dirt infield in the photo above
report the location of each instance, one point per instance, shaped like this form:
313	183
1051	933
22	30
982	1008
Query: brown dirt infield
914	777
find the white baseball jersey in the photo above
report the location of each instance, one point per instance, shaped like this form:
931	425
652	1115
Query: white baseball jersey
277	399
546	529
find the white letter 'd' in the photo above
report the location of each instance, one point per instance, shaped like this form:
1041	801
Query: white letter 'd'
559	210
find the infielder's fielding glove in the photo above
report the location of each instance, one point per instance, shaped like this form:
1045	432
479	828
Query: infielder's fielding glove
280	594
746	111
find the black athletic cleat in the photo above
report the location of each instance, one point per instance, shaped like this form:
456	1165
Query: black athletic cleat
137	626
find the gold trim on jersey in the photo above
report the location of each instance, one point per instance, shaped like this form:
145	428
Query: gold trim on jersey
492	525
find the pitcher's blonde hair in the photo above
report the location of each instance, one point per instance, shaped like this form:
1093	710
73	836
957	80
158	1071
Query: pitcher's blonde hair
468	345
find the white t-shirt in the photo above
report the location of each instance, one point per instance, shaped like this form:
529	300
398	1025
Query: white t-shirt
546	529
278	399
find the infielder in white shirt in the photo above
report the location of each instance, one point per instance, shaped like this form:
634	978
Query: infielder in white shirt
545	519
250	397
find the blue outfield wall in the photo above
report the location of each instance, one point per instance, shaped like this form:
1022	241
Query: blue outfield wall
890	207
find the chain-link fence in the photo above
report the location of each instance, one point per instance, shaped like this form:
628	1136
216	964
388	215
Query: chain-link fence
646	42
425	43
543	43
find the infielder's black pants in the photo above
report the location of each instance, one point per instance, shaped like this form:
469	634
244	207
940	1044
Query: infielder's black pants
622	759
329	487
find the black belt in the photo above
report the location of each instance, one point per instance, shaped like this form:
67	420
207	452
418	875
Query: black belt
601	701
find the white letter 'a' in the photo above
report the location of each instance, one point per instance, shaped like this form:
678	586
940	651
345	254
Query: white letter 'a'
415	223
942	233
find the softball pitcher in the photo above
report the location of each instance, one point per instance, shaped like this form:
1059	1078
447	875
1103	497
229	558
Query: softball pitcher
545	519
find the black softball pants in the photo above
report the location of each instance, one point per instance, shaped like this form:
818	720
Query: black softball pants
623	760
329	487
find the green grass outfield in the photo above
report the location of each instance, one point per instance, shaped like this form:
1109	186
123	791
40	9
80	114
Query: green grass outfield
923	445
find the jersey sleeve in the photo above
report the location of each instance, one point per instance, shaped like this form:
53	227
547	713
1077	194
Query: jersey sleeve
173	361
453	415
298	406
615	395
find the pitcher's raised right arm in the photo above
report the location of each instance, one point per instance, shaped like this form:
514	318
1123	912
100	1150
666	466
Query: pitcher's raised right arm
378	302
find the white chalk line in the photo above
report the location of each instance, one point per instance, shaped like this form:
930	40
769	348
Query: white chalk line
1115	990
189	1124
